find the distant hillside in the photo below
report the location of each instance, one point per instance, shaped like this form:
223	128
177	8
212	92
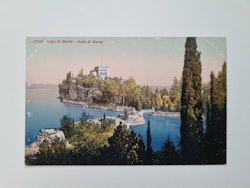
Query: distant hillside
41	86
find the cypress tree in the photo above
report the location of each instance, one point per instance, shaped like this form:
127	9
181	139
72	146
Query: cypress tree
191	105
149	150
168	153
216	129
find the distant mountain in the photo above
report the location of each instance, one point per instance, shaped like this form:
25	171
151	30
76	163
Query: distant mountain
41	86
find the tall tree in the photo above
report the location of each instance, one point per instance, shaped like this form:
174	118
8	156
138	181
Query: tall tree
216	118
149	149
67	125
168	154
124	148
191	105
157	101
68	76
80	74
175	94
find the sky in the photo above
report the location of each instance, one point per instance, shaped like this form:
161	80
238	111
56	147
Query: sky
153	61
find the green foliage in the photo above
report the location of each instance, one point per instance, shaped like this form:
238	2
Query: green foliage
110	90
205	97
68	76
167	104
90	81
216	119
125	92
157	101
91	143
86	140
149	150
89	138
168	154
54	153
175	94
168	101
146	95
124	148
191	105
67	126
84	117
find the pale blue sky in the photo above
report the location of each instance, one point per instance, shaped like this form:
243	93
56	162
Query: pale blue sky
150	60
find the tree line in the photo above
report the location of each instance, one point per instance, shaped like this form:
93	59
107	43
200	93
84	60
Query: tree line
126	92
199	145
102	144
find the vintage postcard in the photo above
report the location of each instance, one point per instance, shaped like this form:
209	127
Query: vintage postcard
125	101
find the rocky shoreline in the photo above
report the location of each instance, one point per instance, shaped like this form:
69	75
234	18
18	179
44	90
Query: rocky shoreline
74	102
111	107
133	117
130	117
160	113
48	135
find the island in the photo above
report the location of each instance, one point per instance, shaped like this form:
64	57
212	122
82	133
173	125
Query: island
97	90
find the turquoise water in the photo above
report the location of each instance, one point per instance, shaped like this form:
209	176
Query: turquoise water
161	127
44	110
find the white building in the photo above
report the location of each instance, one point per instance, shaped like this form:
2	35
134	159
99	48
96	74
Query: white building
101	71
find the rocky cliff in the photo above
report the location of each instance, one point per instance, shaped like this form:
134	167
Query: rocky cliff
78	93
49	135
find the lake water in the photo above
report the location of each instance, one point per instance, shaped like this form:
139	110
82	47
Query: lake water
44	110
